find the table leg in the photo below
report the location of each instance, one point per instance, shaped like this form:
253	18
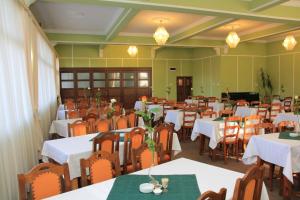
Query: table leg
287	188
213	154
202	143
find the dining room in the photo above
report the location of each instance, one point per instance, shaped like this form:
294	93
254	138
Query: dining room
150	99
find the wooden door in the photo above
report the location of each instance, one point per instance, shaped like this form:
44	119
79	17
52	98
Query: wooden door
184	87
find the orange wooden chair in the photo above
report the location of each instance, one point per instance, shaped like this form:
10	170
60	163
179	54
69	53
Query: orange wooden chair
167	107
287	104
255	103
242	103
78	128
208	114
262	111
231	135
163	135
250	124
118	108
132	140
72	114
91	119
143	158
82	113
210	195
287	126
250	186
154	100
102	125
267	126
202	103
226	113
132	120
274	111
189	118
45	181
102	166
122	123
70	105
108	142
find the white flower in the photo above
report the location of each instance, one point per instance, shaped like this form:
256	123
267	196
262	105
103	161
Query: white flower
113	100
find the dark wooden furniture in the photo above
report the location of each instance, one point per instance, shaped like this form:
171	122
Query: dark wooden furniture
210	195
248	96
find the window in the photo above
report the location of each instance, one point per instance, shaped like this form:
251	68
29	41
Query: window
83	80
143	79
67	80
99	80
128	79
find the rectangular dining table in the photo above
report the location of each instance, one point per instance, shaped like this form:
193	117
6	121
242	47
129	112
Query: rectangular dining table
281	152
70	150
208	178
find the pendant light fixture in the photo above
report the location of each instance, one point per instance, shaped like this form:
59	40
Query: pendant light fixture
161	35
289	42
132	51
232	38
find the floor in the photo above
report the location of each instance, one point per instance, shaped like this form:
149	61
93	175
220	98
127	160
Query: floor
191	150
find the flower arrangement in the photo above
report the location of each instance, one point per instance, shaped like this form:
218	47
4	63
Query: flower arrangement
98	96
111	108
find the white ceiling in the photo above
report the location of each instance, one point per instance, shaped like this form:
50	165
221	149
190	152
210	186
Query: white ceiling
293	3
75	18
146	22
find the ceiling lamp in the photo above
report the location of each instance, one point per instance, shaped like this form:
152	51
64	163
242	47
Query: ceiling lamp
161	35
232	39
132	51
289	42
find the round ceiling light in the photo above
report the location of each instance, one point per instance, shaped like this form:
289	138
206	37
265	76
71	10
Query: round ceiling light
289	42
132	51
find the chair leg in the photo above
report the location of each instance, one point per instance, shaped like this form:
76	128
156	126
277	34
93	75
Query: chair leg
271	173
225	153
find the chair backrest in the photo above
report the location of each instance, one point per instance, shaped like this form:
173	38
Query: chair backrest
250	186
91	119
210	195
212	99
132	119
102	125
242	103
72	114
82	113
132	140
189	117
267	127
118	108
93	110
163	135
166	107
250	125
154	100
78	128
287	126
262	111
254	103
275	110
208	114
226	113
122	122
102	166
232	128
287	104
108	142
143	157
45	181
202	103
69	105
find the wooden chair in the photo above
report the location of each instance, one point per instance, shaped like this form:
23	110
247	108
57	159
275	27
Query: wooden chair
255	103
118	108
274	111
91	119
268	128
143	158
132	120
122	122
231	135
154	100
262	111
82	113
249	128
208	114
102	125
45	181
189	118
212	99
163	135
70	105
242	103
202	103
226	113
102	166
78	128
287	104
210	195
132	140
250	186
108	142
94	111
72	114
287	126
167	107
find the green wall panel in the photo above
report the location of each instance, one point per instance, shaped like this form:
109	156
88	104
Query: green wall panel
245	75
98	62
286	74
228	71
273	70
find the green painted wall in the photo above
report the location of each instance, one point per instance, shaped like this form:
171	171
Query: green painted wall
282	65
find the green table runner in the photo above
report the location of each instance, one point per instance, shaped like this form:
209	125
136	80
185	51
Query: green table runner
181	187
286	135
219	119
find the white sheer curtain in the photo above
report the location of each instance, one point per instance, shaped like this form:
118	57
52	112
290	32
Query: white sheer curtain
25	59
47	97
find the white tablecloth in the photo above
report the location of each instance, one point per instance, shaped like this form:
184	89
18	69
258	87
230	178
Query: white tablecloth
212	129
61	126
286	117
139	106
71	150
244	111
217	107
61	112
208	177
281	152
191	101
175	117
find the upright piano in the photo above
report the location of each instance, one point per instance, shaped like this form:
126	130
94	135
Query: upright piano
248	96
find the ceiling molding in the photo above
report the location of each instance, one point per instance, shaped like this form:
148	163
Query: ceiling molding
258	5
269	32
232	9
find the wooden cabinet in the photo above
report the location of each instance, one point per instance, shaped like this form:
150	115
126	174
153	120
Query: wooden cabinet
124	84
